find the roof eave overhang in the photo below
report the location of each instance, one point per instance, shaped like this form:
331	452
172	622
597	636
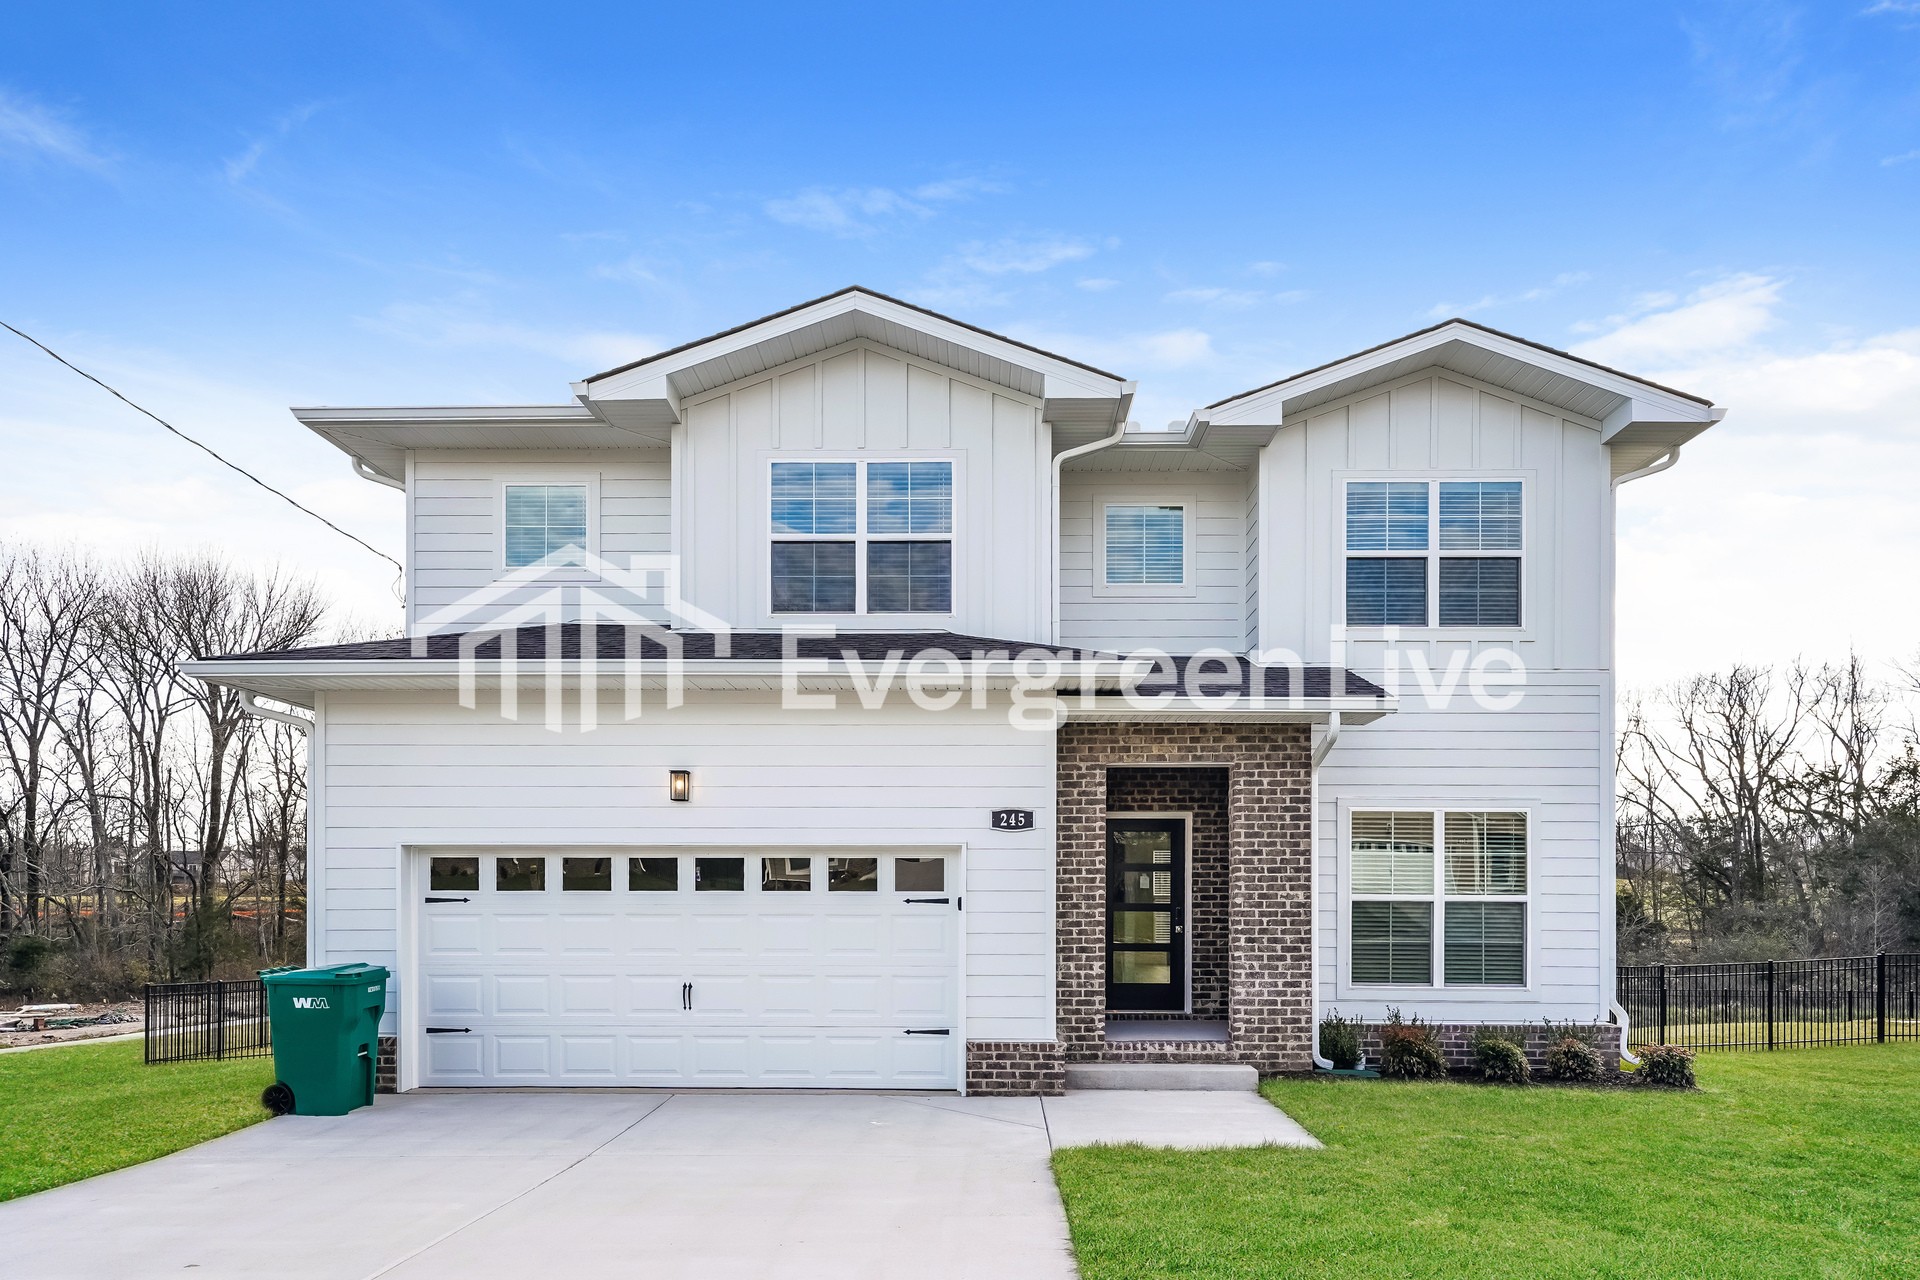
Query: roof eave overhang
1240	709
382	437
650	393
1626	408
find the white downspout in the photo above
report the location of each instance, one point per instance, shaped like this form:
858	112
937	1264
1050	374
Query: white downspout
1654	468
251	702
1058	459
364	469
1327	741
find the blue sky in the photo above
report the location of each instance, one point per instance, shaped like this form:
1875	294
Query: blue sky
253	207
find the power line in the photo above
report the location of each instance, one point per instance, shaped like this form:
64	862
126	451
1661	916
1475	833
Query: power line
231	466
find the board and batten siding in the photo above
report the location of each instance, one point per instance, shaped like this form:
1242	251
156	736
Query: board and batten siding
857	402
410	770
456	540
1212	615
1549	754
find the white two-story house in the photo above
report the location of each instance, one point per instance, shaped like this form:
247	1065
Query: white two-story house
855	698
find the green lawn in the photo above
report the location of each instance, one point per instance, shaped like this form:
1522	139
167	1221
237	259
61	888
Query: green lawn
67	1114
1803	1162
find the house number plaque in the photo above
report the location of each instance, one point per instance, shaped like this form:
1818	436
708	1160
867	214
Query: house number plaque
1013	819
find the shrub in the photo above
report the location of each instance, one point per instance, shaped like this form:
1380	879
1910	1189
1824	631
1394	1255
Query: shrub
1340	1040
1501	1059
1572	1058
1409	1050
1586	1033
1666	1065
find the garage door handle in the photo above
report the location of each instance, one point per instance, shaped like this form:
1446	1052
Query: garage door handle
941	901
929	1031
447	899
449	1031
686	995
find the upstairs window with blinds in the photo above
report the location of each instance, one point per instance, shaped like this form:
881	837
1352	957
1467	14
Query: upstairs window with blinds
1145	545
1421	877
862	537
546	524
1423	553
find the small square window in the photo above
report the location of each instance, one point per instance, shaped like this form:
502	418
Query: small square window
853	875
546	523
1146	544
586	875
919	875
520	875
786	875
653	875
719	875
453	873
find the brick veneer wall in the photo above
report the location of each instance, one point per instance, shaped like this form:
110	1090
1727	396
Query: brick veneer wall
1269	883
1203	793
1456	1042
386	1066
1021	1067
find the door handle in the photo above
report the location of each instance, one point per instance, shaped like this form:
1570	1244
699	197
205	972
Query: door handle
449	1031
929	1031
941	901
686	995
447	899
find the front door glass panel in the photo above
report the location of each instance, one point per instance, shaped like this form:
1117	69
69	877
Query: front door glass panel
1146	914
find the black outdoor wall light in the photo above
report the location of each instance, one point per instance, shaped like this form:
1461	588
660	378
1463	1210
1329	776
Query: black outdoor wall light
680	784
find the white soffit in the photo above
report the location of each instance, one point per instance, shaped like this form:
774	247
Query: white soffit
383	437
1630	410
648	392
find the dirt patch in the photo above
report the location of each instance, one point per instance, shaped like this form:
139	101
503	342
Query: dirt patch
117	1018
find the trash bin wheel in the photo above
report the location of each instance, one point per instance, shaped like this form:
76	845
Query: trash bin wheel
278	1099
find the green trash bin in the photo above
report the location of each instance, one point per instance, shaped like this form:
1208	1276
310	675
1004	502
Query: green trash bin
326	1037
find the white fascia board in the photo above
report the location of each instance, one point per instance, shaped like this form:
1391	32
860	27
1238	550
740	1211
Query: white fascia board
1062	380
1267	405
1243	710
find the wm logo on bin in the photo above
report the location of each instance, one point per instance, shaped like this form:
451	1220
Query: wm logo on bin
310	1002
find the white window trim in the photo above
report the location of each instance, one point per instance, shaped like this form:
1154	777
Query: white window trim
557	475
1189	506
1432	630
1348	989
861	538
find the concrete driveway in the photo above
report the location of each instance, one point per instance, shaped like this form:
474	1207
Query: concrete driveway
577	1185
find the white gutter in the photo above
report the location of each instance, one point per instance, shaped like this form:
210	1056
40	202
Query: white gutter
1327	741
364	469
1653	468
1058	459
251	702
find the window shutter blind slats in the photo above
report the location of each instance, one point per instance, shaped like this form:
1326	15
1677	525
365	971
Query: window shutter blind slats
1392	853
1486	944
1393	943
1486	853
1146	545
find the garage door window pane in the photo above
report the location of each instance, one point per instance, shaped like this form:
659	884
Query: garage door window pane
919	875
520	875
786	875
853	875
587	875
719	875
653	875
453	873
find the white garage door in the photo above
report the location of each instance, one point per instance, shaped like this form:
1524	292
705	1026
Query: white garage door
729	969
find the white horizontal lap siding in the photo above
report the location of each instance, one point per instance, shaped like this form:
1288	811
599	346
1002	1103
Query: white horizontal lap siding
418	770
858	402
455	540
1542	756
1213	615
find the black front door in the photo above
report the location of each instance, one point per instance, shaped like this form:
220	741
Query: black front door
1146	914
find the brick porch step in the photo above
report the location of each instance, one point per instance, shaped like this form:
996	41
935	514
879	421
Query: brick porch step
1161	1075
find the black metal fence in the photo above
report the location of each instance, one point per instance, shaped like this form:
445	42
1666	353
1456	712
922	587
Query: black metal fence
194	1021
1774	1004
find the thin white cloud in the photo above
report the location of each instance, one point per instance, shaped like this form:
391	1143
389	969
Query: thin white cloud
1903	158
32	131
1023	256
1266	268
1096	284
240	167
1892	6
455	325
1233	299
1723	316
862	211
1491	301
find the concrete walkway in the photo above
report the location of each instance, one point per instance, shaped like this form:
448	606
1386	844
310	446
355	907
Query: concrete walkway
586	1185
